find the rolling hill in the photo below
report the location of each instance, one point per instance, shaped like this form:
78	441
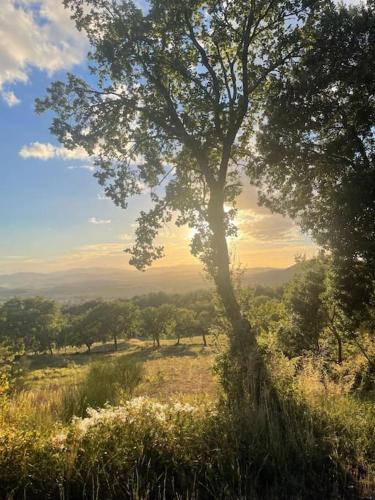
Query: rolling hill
82	284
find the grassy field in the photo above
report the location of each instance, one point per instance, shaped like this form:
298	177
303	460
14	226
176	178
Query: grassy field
182	372
172	370
163	430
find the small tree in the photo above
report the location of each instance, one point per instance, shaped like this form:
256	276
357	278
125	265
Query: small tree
33	323
304	302
14	324
350	303
185	323
46	322
325	305
159	322
205	320
150	324
86	329
74	331
115	319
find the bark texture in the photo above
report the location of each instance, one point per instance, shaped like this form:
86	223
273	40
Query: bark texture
243	371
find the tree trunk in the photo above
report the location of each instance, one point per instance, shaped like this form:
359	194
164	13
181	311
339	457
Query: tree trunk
204	339
115	342
363	351
339	347
178	340
245	368
88	348
339	350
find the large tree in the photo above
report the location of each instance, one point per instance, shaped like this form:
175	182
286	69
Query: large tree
175	93
316	158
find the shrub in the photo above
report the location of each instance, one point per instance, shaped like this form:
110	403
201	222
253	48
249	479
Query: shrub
107	382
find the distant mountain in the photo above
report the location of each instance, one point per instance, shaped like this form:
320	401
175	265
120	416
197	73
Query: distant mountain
269	277
83	284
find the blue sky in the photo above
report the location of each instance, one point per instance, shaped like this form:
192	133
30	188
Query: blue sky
51	212
46	205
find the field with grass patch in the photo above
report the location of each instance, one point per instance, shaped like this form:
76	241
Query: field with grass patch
173	371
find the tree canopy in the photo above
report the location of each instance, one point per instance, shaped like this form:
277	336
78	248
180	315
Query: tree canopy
316	146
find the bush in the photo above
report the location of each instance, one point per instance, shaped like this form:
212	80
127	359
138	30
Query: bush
107	382
149	450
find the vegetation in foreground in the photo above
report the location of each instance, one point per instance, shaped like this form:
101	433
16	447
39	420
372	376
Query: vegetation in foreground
142	422
136	418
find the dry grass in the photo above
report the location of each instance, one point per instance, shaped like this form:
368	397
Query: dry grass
179	371
183	371
308	442
172	370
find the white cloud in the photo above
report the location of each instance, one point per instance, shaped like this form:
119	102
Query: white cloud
95	220
271	227
35	33
126	237
46	151
10	98
38	150
89	167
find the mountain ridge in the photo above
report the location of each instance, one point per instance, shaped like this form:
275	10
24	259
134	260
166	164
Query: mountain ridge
86	283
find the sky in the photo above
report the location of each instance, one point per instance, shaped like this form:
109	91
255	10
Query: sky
53	215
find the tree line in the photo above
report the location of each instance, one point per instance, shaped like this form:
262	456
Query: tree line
41	325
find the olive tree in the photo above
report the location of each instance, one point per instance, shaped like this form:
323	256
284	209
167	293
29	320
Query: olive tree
172	104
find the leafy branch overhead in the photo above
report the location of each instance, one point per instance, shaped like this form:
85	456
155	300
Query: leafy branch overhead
316	146
174	99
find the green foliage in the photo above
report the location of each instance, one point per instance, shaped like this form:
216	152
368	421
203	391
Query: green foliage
265	312
306	305
98	321
38	324
317	144
159	322
30	324
107	382
9	372
185	323
116	319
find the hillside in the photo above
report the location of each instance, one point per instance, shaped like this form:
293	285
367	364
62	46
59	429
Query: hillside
81	284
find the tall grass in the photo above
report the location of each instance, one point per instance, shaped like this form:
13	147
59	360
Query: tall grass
301	442
308	438
42	408
107	382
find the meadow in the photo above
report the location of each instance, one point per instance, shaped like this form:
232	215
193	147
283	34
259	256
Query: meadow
45	382
152	423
